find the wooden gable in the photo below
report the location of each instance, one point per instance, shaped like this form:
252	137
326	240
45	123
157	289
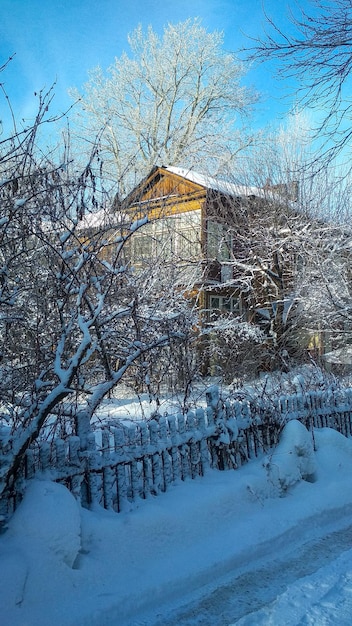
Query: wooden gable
164	193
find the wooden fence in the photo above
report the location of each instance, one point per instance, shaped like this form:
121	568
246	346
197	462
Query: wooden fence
126	460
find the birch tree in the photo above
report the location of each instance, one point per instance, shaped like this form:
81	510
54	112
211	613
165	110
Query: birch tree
173	99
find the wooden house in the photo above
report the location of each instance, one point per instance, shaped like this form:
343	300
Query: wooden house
192	221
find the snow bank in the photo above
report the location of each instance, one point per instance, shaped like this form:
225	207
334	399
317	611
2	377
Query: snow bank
50	519
327	439
293	459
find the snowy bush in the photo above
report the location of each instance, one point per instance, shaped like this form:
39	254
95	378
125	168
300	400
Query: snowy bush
233	348
293	459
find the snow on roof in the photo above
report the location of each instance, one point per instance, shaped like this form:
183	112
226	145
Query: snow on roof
99	219
216	184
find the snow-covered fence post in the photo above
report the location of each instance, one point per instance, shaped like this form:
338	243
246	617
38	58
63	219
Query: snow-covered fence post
94	464
344	415
221	437
300	407
30	463
327	421
44	456
321	408
212	399
314	408
82	425
241	456
156	462
339	404
194	446
108	476
266	424
60	455
283	408
175	457
121	486
78	445
163	438
146	462
203	443
310	409
183	447
247	417
131	437
330	416
79	480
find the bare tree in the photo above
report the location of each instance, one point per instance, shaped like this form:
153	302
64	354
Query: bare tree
315	50
280	242
74	317
173	100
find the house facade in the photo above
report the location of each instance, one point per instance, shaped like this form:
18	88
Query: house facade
191	221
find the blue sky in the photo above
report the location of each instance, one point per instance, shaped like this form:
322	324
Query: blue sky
60	40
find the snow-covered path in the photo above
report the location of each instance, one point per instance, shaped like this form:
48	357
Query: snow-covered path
323	599
307	575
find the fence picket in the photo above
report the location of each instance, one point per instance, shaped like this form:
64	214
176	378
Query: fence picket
131	441
194	445
147	476
203	447
156	461
183	448
60	454
78	474
94	465
165	455
121	484
44	456
175	457
108	474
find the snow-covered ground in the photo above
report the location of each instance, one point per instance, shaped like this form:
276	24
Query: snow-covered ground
254	546
298	380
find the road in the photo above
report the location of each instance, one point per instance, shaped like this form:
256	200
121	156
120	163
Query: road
252	588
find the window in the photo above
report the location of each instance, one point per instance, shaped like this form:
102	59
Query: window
142	247
177	236
214	302
223	304
219	242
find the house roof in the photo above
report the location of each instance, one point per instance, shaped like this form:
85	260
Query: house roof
216	184
165	183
